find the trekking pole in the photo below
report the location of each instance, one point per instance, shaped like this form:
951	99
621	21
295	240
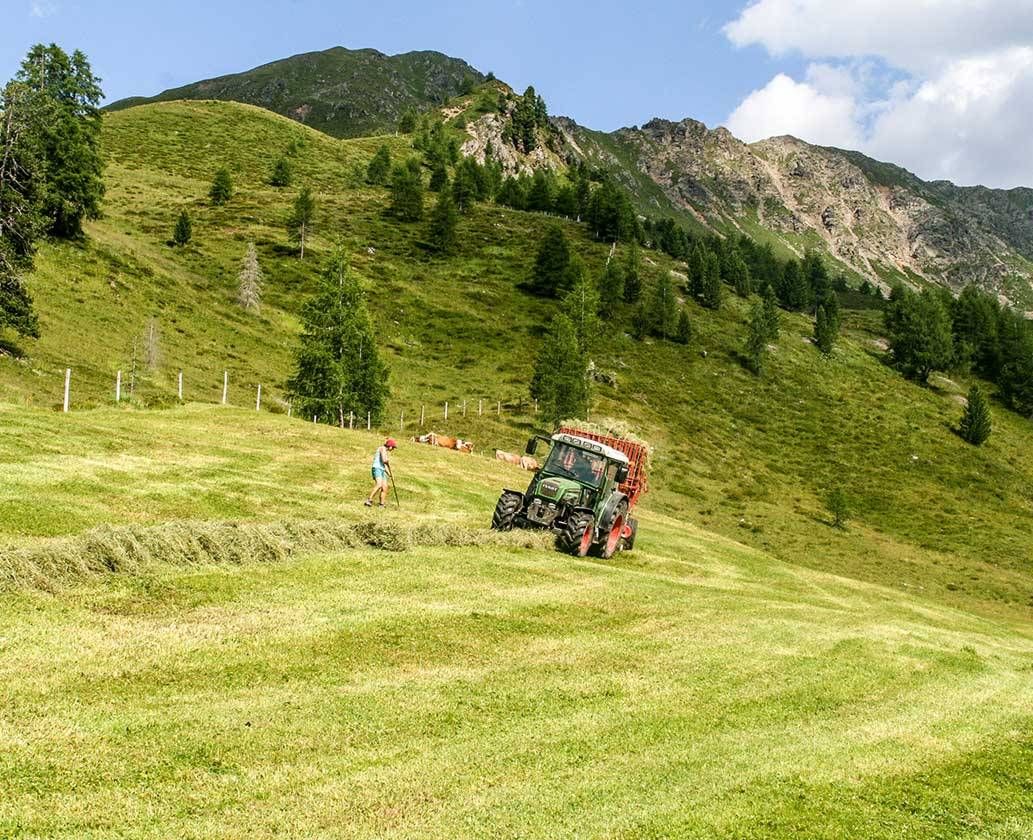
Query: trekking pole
391	475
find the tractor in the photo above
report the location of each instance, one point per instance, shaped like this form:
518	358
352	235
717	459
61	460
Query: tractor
584	492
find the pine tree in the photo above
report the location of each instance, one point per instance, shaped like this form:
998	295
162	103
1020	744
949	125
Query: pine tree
976	423
640	321
407	192
539	199
713	291
550	273
183	230
438	178
793	289
632	277
565	203
22	220
249	281
739	275
443	223
838	506
511	194
299	223
66	135
611	289
379	168
281	176
221	190
560	380
407	123
757	331
683	333
824	336
337	368
663	309
920	334
581	305
464	188
697	270
772	320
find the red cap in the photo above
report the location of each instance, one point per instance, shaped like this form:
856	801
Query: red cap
391	443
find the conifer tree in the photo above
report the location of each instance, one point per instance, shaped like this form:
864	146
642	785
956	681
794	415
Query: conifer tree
511	194
793	289
565	203
66	134
183	230
632	277
757	331
663	309
739	275
976	423
407	123
683	333
299	223
407	192
379	169
772	320
581	305
221	190
640	321
443	223
249	281
282	175
337	368
713	291
824	335
539	199
697	265
438	178
550	273
611	289
560	380
920	334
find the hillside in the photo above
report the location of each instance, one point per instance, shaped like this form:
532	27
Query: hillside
751	459
417	676
345	93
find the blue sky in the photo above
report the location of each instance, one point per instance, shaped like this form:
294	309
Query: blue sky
940	86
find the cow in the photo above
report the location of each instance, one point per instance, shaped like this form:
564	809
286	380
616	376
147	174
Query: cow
508	457
445	442
528	463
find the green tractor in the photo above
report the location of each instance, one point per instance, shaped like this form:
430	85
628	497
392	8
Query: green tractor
584	492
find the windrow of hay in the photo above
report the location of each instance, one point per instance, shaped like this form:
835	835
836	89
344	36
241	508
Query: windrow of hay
135	549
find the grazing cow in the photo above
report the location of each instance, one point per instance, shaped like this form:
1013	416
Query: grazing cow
464	446
528	463
508	457
445	442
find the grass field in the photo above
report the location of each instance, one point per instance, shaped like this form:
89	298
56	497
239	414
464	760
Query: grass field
694	688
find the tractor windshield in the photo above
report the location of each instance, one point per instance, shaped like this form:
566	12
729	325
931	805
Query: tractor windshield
571	462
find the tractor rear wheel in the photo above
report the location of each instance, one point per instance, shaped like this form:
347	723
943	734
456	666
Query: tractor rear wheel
612	531
629	541
506	510
576	538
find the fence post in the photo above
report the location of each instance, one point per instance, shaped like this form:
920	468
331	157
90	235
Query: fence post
500	408
368	419
423	409
118	387
258	400
446	410
181	386
401	423
313	418
351	419
464	408
225	385
290	409
480	407
68	385
536	406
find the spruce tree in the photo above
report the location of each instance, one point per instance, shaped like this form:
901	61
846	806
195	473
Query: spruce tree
824	335
299	222
794	291
640	321
337	368
757	330
920	335
249	281
560	380
976	423
539	199
281	176
379	169
663	309
611	289
772	320
581	305
549	275
443	223
407	123
464	188
66	135
565	203
632	277
183	230
713	291
221	189
407	192
438	178
739	275
683	333
697	270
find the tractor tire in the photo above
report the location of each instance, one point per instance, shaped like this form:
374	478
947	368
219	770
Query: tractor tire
576	537
610	537
629	542
509	505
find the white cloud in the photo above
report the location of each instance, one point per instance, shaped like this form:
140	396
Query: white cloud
42	8
961	111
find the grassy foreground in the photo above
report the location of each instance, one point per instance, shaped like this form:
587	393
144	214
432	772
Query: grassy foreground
694	688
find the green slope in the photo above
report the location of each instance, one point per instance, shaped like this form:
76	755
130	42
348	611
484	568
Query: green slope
750	459
346	93
693	688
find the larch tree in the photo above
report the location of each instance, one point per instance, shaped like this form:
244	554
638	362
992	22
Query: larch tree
560	381
299	222
249	281
221	189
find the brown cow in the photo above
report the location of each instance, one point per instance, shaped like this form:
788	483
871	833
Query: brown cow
445	442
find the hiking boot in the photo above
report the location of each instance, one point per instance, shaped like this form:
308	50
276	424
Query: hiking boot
368	503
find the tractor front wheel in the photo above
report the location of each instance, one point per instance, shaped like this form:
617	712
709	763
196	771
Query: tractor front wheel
506	510
577	537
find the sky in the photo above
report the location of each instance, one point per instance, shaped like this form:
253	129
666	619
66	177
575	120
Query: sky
942	87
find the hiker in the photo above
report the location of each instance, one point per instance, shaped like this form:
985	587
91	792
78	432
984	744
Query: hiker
381	470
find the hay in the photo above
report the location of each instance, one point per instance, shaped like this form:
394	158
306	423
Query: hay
135	550
613	428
